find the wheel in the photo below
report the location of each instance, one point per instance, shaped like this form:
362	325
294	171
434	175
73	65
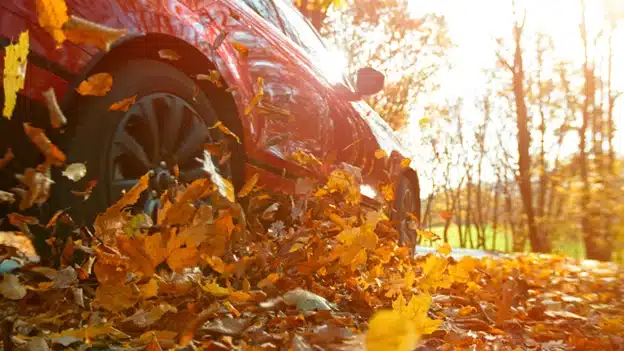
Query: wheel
406	210
167	126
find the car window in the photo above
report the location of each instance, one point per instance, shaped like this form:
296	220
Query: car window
299	29
266	10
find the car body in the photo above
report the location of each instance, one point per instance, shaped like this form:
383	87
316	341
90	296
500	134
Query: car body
317	112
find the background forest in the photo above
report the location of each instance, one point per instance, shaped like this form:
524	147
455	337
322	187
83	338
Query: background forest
522	153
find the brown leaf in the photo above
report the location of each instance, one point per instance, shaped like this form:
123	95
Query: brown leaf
98	84
11	288
187	335
21	243
81	31
37	187
6	197
57	118
8	157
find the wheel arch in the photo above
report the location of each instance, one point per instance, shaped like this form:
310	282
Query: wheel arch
192	61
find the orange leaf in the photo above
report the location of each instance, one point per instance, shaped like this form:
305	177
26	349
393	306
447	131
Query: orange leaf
52	153
80	31
446	215
123	105
52	15
379	154
406	162
183	258
249	185
98	84
242	49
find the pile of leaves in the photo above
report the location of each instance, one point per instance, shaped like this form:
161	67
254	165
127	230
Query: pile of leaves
306	272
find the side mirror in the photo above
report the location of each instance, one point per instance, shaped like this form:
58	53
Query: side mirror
369	81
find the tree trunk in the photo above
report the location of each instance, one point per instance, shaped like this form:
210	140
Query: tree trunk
595	247
539	242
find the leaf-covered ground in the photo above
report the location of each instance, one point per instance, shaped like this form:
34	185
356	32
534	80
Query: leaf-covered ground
302	273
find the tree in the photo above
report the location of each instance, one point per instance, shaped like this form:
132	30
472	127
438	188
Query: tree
539	240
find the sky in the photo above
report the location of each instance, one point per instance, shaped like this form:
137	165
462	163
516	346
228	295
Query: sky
473	27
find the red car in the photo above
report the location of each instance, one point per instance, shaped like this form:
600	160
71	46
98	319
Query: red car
307	109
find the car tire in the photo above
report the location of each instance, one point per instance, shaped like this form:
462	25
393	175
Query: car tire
99	136
407	200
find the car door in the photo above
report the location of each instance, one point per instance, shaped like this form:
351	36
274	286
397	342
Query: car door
293	115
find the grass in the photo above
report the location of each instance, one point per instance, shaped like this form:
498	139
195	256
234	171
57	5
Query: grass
571	247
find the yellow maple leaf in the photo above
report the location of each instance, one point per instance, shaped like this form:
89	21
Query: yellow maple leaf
433	274
389	331
52	15
416	312
444	249
342	182
460	272
406	162
15	62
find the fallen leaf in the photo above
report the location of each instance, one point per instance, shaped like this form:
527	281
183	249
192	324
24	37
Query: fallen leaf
51	152
379	154
15	63
11	288
388	330
169	54
8	157
183	258
21	243
149	289
38	187
249	185
75	171
6	197
226	131
85	194
387	190
123	105
52	15
80	31
257	97
226	189
38	343
98	84
444	249
115	297
242	49
416	312
405	163
90	333
57	118
307	301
